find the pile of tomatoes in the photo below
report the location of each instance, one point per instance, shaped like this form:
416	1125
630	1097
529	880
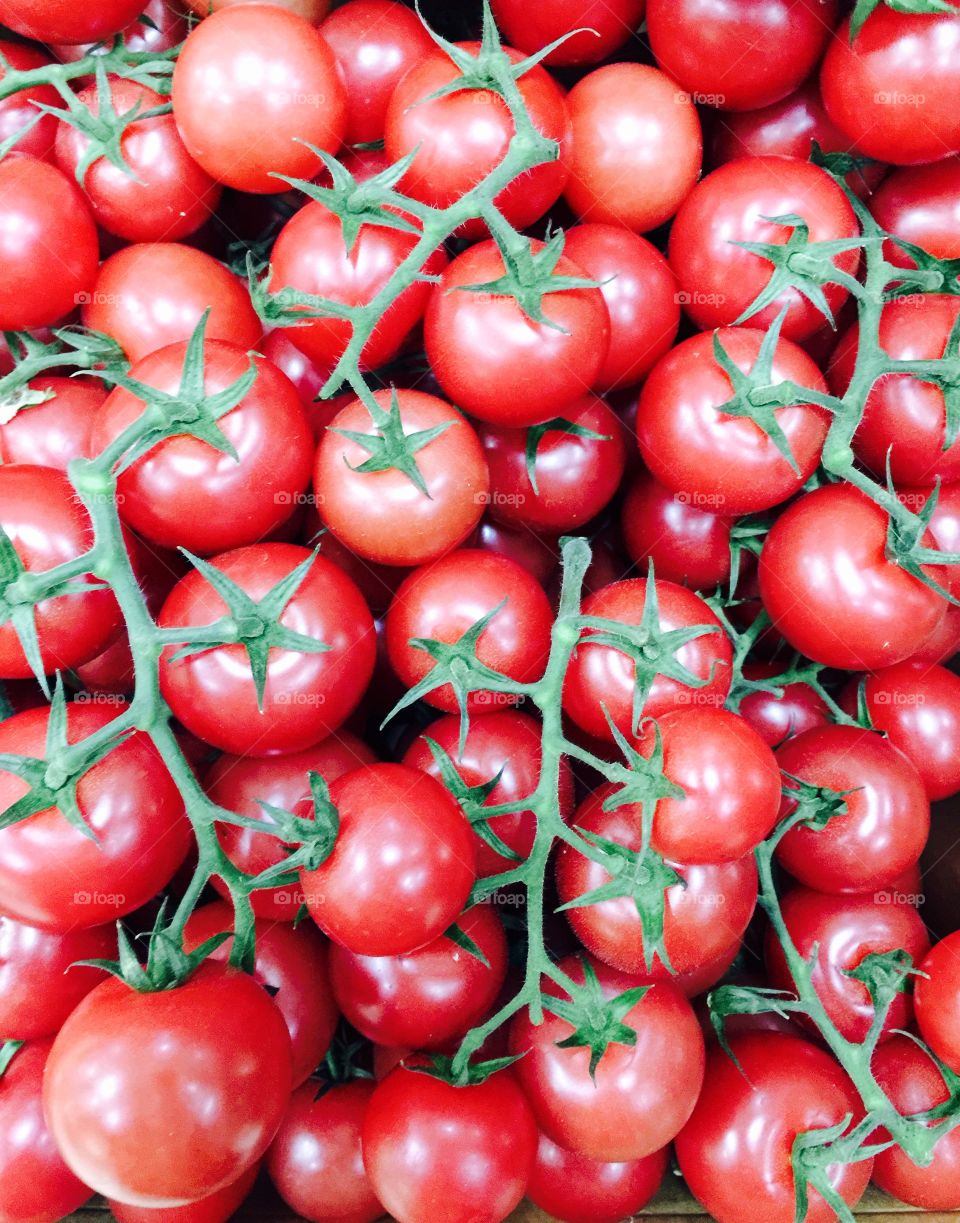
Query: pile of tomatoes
360	830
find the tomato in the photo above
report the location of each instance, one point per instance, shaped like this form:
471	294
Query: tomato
313	10
575	1189
719	279
402	865
576	476
35	1183
459	138
742	55
375	42
444	600
893	90
688	542
448	1154
37	992
307	695
166	197
600	675
597	27
921	204
495	362
57	430
428	997
776	718
505	745
185	493
47	526
887	816
242	131
241	783
640	1095
704	915
165	29
382	515
635	149
152	295
199	1078
913	1083
859	610
71	22
640	291
19	109
51	875
316	1161
937	1000
944	643
48	244
217	1207
723	462
841	931
735	1151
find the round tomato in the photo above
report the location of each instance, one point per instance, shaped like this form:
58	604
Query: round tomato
688	542
597	28
71	22
776	718
58	429
18	109
216	1207
579	1190
921	204
937	1000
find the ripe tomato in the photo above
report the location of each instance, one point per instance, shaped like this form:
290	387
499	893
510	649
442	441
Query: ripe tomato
200	1079
635	149
382	515
48	244
600	675
428	997
316	1161
688	542
640	1095
51	875
735	1150
241	131
216	1207
719	279
444	600
18	108
776	718
727	463
859	611
52	433
165	28
601	26
307	695
459	138
67	21
313	10
495	362
423	1141
921	204
579	1190
402	865
937	1000
704	915
887	815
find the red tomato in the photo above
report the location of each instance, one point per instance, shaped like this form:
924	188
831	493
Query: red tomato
309	380
443	600
313	10
537	554
597	28
600	675
579	1190
48	244
424	1141
640	1095
52	433
459	138
921	204
635	149
689	543
307	695
382	515
152	295
936	998
18	108
734	1152
887	815
200	1077
495	362
242	131
165	29
719	279
776	718
218	1207
70	22
859	611
402	865
316	1161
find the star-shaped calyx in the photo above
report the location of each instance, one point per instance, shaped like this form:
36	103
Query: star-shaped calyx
313	838
597	1021
389	447
472	799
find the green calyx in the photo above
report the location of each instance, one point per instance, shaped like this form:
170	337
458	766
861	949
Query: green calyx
473	800
470	1074
8	1051
816	806
390	448
559	424
727	1000
314	838
597	1021
72	348
864	8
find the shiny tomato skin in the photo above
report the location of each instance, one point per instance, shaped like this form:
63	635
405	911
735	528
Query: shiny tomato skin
53	876
579	1190
718	279
153	294
921	204
18	109
48	244
776	718
66	21
936	999
402	865
734	1152
688	543
497	364
383	516
640	1096
240	132
445	599
703	916
596	28
166	29
217	1207
241	783
600	675
51	433
316	1160
202	1076
306	695
887	815
423	1140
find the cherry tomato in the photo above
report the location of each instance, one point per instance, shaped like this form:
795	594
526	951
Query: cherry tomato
937	1000
921	204
688	542
164	29
67	21
596	28
776	718
217	1207
579	1190
54	431
313	10
19	108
